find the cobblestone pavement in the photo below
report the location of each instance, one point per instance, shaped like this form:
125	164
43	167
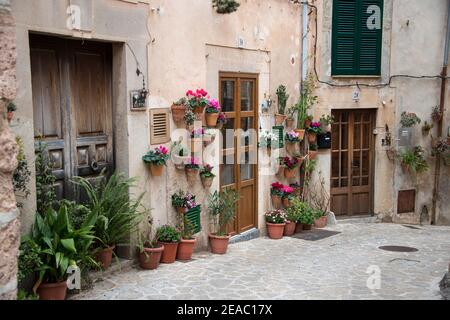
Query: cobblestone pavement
331	268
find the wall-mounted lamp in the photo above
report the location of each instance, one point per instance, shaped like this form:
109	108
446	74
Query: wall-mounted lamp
267	103
387	141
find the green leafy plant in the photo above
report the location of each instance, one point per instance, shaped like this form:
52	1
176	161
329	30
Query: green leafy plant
225	6
414	159
158	157
182	199
427	127
283	97
222	207
326	120
436	114
307	215
409	119
275	216
181	102
305	102
292	213
189	117
295	211
21	176
168	234
118	214
313	147
206	171
45	180
24	295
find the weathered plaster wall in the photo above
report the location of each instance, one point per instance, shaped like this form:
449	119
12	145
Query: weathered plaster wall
413	41
9	222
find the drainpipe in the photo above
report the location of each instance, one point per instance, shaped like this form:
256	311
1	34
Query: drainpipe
440	128
304	53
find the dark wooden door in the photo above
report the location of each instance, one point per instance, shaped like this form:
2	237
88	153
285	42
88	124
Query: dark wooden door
71	82
352	162
238	97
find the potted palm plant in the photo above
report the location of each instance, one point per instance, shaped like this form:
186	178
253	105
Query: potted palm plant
275	222
118	214
157	159
192	169
207	176
212	113
169	237
179	110
57	245
276	193
222	208
413	160
282	101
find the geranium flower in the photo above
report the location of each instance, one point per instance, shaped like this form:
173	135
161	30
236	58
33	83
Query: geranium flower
163	150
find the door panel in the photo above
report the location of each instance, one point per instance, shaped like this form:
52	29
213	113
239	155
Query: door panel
352	162
239	170
73	107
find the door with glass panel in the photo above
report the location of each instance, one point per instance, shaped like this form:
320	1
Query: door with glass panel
239	171
352	162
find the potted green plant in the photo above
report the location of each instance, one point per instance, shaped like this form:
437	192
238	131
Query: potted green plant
436	114
169	237
192	169
320	218
426	128
10	109
275	222
157	159
197	100
413	160
189	119
292	216
55	245
306	217
305	102
118	214
290	117
326	121
409	119
277	193
292	138
313	131
178	109
212	113
150	252
295	211
187	242
282	101
287	196
183	201
207	176
222	208
290	164
313	151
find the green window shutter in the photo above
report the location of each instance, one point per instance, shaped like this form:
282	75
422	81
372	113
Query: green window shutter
193	216
279	132
356	49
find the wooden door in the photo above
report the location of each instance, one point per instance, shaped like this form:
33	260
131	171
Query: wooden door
352	158
239	170
73	107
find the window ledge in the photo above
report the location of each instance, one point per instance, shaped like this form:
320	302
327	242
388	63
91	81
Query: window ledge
355	77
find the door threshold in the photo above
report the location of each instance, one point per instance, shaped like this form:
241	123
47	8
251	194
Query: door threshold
245	236
357	219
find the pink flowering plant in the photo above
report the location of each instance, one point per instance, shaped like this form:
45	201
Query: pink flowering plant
158	157
193	164
290	163
288	192
292	137
275	216
198	98
183	199
213	106
198	133
316	127
277	189
206	171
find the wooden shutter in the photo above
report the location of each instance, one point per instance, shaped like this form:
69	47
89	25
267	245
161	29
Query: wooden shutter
159	126
356	49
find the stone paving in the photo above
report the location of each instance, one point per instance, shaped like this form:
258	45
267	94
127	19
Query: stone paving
331	268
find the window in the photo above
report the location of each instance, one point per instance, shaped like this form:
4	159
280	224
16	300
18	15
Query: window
357	37
159	126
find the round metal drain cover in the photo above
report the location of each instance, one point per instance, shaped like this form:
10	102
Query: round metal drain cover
398	249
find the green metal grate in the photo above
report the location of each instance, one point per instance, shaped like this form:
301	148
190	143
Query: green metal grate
193	216
279	132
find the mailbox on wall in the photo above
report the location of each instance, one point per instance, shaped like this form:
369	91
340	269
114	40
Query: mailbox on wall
324	140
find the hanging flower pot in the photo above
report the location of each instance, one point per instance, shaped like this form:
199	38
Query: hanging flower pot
289	173
156	169
151	257
279	119
211	119
289	122
185	249
301	133
181	210
198	109
312	154
276	201
289	228
52	291
157	159
312	137
207	181
290	147
178	113
191	174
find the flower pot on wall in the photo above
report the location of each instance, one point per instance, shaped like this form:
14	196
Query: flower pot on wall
286	203
275	231
104	257
191	174
279	119
276	201
52	291
289	173
10	116
219	245
289	123
289	228
312	154
207	181
307	123
198	109
178	112
290	147
156	170
185	249
170	252
181	210
151	257
211	119
301	133
312	137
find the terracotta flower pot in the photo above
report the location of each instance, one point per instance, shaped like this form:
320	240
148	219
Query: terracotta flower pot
312	154
301	133
276	201
211	119
181	210
307	227
52	291
312	137
290	147
151	257
289	228
9	116
156	170
275	231
289	122
279	119
207	181
104	257
286	202
321	222
170	252
289	173
219	245
198	109
186	249
178	113
298	227
307	123
191	174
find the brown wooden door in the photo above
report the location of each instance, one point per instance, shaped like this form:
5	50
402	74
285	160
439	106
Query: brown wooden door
238	97
73	107
352	157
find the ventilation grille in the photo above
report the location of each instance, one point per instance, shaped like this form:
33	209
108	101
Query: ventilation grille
159	126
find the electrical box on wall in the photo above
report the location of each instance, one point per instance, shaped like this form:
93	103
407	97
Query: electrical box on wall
405	137
324	140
